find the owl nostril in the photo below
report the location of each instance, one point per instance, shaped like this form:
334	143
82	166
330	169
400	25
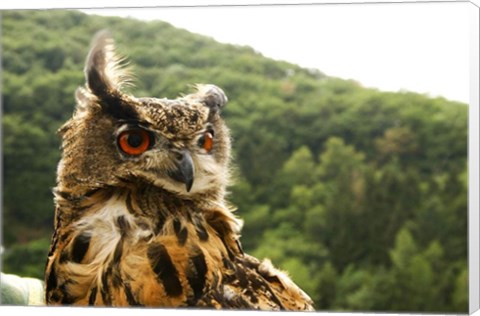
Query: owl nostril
179	156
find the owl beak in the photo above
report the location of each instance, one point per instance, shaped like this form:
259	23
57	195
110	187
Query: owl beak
185	170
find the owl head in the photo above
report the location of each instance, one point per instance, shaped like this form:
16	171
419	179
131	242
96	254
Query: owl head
115	139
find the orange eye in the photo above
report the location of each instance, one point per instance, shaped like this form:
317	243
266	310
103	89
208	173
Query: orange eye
134	142
206	141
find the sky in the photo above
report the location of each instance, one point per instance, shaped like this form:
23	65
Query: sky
416	45
420	47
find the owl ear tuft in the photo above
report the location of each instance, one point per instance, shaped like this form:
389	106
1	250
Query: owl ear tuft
212	96
105	75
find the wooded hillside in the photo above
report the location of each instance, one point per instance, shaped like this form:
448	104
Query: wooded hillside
360	194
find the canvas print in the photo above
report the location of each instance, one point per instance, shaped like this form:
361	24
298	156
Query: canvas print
150	165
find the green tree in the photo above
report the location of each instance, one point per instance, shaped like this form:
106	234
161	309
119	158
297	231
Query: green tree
326	287
28	259
341	171
460	293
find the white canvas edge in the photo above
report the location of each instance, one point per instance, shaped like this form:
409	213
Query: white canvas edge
473	199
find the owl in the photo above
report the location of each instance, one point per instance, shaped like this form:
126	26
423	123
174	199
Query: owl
141	217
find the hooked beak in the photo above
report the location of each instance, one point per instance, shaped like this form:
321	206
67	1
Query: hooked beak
185	171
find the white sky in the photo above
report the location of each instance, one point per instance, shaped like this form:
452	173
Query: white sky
421	47
415	46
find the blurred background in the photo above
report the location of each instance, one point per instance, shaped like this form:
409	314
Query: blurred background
359	192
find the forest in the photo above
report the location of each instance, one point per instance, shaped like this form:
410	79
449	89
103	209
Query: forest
361	195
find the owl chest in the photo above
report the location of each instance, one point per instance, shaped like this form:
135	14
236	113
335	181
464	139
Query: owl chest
116	257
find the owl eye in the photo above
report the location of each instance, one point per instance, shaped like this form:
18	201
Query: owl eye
134	142
206	141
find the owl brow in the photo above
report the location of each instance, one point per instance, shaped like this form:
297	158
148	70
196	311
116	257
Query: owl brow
135	122
115	107
208	127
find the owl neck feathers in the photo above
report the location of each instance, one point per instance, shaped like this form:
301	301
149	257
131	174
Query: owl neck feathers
157	207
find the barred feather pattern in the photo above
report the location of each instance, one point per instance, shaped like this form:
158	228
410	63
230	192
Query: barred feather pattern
133	248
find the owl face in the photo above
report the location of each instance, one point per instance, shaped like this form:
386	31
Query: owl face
114	139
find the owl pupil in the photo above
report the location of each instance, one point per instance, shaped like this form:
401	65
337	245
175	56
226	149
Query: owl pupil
135	140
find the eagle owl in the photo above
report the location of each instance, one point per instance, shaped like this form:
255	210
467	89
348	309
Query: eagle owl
140	212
